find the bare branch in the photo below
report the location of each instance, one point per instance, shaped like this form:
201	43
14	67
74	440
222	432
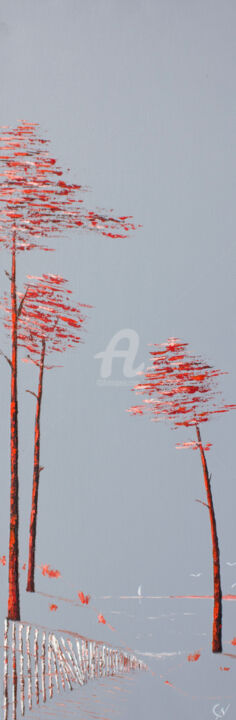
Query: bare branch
22	302
30	359
6	358
32	393
203	503
41	468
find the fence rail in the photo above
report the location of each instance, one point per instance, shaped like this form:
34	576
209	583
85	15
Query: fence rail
39	663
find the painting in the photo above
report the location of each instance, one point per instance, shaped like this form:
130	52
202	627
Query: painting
117	350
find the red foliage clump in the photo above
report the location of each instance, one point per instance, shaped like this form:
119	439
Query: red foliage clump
180	387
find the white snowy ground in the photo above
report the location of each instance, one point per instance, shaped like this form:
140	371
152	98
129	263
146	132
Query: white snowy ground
162	631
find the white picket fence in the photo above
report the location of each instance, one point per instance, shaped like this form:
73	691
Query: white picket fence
38	663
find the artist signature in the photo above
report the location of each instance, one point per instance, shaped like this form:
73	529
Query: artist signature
220	712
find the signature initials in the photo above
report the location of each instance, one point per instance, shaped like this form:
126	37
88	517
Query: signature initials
221	712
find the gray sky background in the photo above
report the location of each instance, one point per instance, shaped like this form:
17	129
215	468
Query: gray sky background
138	99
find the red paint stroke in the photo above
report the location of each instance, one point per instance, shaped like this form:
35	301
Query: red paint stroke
58	597
200	597
101	619
46	570
231	655
84	599
194	657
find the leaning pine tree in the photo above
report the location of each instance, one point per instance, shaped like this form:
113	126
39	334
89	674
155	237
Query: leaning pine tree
49	324
182	388
35	203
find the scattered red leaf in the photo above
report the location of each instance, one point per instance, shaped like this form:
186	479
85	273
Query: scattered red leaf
24	566
53	607
194	657
233	642
46	570
224	668
84	599
3	560
101	619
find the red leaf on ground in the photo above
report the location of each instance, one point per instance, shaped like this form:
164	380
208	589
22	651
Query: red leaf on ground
84	599
101	619
194	657
53	607
46	570
3	560
54	573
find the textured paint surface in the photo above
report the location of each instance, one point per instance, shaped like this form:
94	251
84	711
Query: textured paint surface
138	100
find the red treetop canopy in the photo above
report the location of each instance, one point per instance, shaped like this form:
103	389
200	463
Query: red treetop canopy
34	200
48	314
180	387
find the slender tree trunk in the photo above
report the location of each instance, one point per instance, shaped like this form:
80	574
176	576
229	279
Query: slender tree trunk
13	596
35	489
217	618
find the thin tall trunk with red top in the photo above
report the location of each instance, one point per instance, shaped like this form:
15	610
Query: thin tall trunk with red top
13	597
217	618
35	489
35	193
183	388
